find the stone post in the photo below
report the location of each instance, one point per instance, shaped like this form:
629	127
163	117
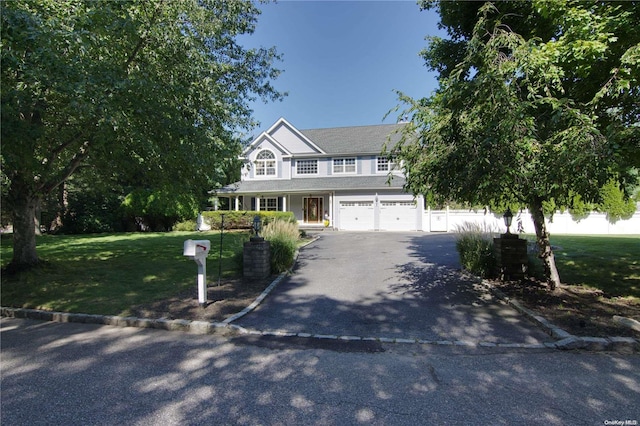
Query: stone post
257	259
511	256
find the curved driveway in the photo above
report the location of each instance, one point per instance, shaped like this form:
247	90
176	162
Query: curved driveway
384	284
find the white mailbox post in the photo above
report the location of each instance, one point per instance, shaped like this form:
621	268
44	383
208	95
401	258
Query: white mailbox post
198	250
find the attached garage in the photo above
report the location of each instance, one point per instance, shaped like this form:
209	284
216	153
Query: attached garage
384	215
357	215
398	216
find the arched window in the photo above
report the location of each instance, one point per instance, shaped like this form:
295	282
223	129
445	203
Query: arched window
265	163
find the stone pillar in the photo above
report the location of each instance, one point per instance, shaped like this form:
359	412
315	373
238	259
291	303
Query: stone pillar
257	258
511	257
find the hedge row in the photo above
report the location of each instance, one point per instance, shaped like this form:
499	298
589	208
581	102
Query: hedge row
244	219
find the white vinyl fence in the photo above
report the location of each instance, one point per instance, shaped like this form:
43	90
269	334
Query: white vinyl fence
561	223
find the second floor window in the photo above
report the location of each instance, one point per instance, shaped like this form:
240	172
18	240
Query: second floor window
386	165
307	167
265	163
344	165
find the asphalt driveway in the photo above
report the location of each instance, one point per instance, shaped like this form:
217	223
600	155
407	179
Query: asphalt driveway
395	285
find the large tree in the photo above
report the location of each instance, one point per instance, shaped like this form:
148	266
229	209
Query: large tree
155	89
537	103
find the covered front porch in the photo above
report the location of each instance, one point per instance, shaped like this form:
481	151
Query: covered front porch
310	209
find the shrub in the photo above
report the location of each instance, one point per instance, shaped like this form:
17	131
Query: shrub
186	225
283	237
474	244
243	219
158	209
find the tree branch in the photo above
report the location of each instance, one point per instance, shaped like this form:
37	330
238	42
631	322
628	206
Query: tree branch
64	174
143	38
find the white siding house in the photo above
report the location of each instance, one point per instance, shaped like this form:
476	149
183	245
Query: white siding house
339	173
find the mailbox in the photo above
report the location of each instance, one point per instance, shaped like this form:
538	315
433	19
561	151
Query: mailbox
198	250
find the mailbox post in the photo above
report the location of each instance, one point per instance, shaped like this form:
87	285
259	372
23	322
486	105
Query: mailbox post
197	250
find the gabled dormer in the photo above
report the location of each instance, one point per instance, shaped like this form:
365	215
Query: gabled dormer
269	156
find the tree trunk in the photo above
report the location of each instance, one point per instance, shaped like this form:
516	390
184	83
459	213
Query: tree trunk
63	208
24	206
546	253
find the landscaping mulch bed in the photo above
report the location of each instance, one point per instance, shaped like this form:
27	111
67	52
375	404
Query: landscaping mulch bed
579	310
224	300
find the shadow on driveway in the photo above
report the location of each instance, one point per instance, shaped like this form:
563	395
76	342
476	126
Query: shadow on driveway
394	285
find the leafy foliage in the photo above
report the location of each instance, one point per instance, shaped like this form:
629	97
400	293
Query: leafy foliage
537	107
283	237
158	210
474	244
244	219
156	89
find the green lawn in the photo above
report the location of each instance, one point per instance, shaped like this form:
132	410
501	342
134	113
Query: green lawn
106	274
609	263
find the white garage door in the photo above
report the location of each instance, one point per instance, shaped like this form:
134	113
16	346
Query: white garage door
356	215
397	216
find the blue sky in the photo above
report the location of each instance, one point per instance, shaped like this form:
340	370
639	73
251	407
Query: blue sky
342	60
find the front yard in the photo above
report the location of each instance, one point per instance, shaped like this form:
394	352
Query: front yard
145	274
111	273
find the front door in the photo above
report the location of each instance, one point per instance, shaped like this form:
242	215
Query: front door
313	210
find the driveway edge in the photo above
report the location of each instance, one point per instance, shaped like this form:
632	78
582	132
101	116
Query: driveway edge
566	340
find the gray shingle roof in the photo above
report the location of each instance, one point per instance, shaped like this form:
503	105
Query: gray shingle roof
313	184
354	140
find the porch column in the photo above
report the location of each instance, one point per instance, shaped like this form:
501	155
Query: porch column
284	203
331	212
237	203
257	203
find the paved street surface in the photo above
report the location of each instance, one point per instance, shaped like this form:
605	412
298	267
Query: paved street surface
386	284
81	374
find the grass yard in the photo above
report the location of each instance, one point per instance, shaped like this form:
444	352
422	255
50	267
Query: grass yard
601	279
607	263
107	274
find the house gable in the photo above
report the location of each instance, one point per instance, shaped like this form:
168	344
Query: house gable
292	139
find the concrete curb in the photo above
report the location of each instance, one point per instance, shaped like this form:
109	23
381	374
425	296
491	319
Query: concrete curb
616	344
566	340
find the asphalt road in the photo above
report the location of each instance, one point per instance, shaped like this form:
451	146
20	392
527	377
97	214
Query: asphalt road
81	374
386	284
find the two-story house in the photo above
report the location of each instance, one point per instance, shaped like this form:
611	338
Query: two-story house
336	173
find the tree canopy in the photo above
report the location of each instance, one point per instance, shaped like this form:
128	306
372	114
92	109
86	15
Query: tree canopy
154	89
537	102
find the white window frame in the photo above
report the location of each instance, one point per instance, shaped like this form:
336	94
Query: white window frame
269	204
386	165
340	165
307	167
267	167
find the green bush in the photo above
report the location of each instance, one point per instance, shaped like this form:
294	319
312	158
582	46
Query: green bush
283	237
158	209
186	225
474	244
243	219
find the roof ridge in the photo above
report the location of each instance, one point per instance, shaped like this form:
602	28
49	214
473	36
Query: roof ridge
352	127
